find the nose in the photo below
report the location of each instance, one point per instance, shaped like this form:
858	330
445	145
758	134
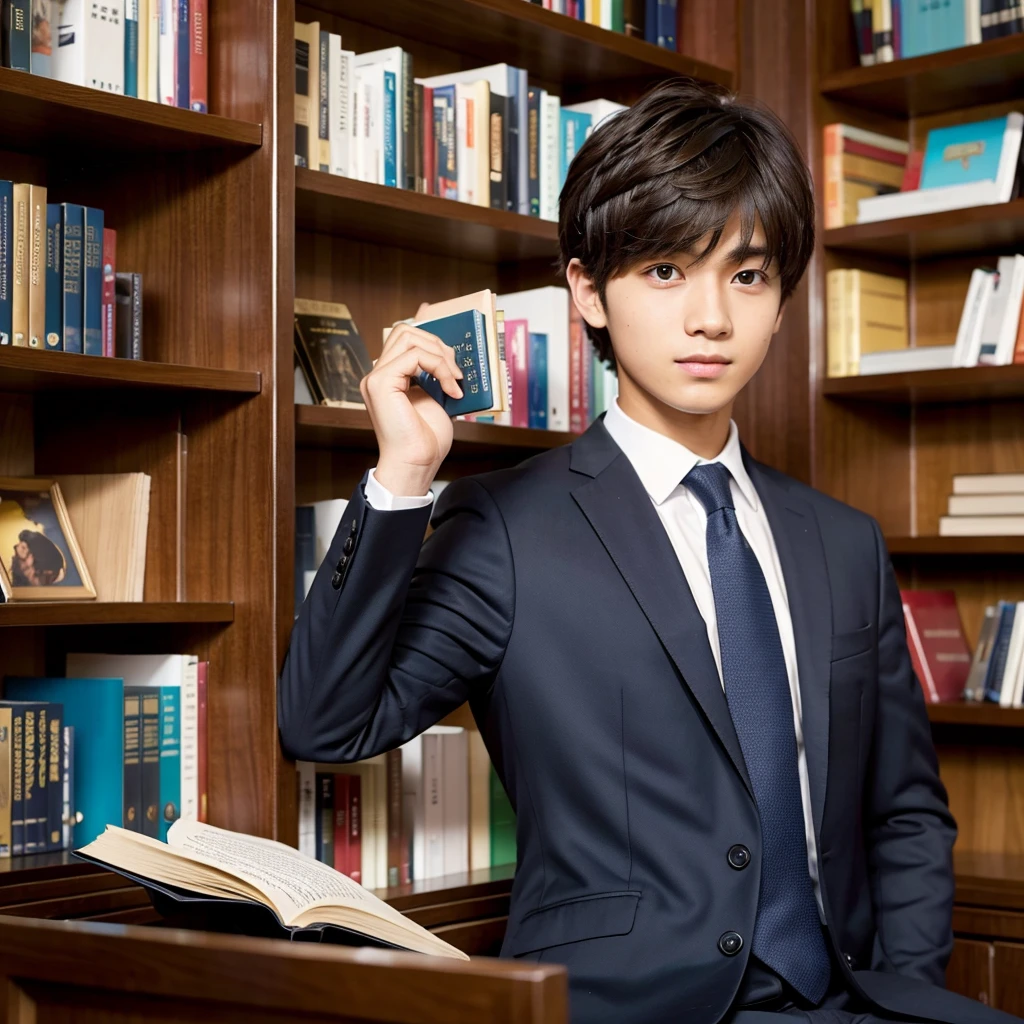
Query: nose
706	312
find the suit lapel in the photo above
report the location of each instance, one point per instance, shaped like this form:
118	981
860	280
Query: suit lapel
797	536
621	514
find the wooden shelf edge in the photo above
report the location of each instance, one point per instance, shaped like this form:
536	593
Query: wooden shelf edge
975	714
955	545
98	613
957	384
448	888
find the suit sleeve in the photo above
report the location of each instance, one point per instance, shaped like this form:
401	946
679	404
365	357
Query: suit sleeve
910	832
397	632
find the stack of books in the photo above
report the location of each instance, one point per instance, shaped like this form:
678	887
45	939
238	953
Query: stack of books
997	671
860	164
985	505
59	285
866	317
434	807
152	49
652	20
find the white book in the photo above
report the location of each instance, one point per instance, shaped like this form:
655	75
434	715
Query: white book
326	517
988	483
985	505
928	357
433	806
1014	657
68	56
547	312
465	143
972	22
340	104
307	807
980	293
390	59
370	79
455	803
167	83
413	805
981	526
1001	334
550	123
479	802
995	312
599	111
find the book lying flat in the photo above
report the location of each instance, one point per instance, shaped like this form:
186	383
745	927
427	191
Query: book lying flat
231	881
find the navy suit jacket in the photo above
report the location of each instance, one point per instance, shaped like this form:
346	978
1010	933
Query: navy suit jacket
550	598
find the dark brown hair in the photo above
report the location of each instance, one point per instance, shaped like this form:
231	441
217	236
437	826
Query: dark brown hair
657	178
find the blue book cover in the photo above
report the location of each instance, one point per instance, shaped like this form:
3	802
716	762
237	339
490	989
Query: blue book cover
149	720
651	21
390	137
94	708
667	24
34	775
465	333
92	289
444	140
1000	649
537	378
55	777
54	278
74	244
927	26
16	35
131	47
574	127
184	55
6	241
963	153
170	757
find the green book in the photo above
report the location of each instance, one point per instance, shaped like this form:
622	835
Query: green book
503	824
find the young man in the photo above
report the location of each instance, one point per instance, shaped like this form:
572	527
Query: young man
690	671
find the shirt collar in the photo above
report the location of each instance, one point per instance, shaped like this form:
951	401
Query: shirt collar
662	463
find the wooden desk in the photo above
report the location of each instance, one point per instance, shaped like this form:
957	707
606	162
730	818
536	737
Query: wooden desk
76	972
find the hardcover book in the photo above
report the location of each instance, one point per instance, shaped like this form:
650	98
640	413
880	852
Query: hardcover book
465	333
74	238
938	648
36	266
6	788
92	286
964	153
54	326
6	269
331	352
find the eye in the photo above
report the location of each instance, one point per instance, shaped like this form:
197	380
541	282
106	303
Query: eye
664	272
751	277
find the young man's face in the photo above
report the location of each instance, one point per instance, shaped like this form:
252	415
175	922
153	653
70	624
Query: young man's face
689	336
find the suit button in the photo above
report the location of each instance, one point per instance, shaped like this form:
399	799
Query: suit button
350	543
851	962
342	562
336	581
738	856
730	943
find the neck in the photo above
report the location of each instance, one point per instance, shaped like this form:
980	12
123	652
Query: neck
704	434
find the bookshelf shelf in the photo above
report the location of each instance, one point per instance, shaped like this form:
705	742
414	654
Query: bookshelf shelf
29	370
975	229
496	881
971	75
989	879
42	115
103	613
984	714
333	204
960	384
581	59
955	545
318	426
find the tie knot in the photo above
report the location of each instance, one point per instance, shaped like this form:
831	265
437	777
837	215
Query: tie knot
710	483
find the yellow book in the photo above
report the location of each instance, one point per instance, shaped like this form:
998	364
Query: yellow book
594	11
877	307
307	94
36	266
479	802
19	265
836	327
863	168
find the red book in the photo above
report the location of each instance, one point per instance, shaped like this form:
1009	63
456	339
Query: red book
355	829
429	143
938	648
578	355
202	732
398	859
341	848
517	344
197	68
109	299
912	172
888	156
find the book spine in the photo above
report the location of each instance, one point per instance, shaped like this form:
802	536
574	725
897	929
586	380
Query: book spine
325	818
17	780
533	150
54	325
37	267
666	24
337	105
398	865
198	69
6	780
411	150
54	777
390	131
170	758
341	798
109	297
550	124
355	828
92	292
202	739
167	52
433	814
447	150
136	308
6	268
323	121
19	274
41	28
302	98
518	341
429	143
150	755
190	738
418	137
17	39
184	52
495	149
537	369
833	174
69	815
34	783
143	30
153	51
132	815
305	779
1000	648
131	47
577	345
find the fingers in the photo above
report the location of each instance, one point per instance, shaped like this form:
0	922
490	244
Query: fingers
407	360
404	336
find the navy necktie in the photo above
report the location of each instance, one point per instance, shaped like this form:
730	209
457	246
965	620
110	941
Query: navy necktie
787	933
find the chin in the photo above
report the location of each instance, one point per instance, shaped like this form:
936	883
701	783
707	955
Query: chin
700	400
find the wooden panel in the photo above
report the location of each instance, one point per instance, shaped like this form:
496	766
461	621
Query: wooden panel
960	385
477	938
970	971
1009	978
710	31
997	924
989	879
976	715
17	450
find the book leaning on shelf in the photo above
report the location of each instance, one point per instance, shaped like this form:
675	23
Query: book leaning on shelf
233	882
330	353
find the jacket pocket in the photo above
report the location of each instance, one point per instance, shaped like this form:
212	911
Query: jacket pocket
849	645
584	917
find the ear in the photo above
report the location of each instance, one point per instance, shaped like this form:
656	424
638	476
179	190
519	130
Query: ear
778	319
584	294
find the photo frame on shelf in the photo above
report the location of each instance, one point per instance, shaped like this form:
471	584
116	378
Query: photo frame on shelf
40	558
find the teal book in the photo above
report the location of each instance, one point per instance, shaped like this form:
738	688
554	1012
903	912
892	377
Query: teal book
94	708
503	824
537	375
574	127
170	758
74	238
928	26
92	291
390	131
54	323
466	333
963	153
131	47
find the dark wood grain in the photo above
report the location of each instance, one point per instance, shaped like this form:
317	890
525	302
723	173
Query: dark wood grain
964	77
43	115
959	384
28	370
955	545
983	714
88	613
970	970
334	204
989	879
996	228
1009	978
494	881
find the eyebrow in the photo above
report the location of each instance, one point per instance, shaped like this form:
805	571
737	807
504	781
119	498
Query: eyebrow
742	253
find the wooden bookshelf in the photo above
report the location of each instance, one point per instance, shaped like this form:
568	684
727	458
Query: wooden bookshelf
967	546
114	613
920	387
969	714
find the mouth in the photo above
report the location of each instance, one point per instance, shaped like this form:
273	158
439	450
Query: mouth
705	367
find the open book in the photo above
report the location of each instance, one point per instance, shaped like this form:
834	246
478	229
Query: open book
203	864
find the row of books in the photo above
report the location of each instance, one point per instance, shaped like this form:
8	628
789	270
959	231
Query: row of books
867	323
434	807
59	285
985	505
997	670
130	732
652	20
872	177
889	30
152	49
482	136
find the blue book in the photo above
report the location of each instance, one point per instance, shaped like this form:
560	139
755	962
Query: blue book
444	139
170	757
54	839
1000	649
131	47
6	271
667	24
464	332
651	21
537	378
964	153
927	26
184	55
149	720
16	35
54	324
574	127
74	241
34	776
92	289
390	129
94	708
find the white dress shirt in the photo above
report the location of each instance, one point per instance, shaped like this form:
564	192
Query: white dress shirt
661	464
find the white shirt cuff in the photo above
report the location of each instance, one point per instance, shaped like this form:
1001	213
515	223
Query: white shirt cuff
380	498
